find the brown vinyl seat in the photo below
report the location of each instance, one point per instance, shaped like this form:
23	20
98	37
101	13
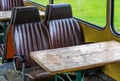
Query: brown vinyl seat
28	34
63	28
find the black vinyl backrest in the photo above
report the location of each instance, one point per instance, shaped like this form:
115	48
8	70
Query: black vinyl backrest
23	15
58	11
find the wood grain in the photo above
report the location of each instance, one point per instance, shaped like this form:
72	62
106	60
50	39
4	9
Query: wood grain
79	57
5	15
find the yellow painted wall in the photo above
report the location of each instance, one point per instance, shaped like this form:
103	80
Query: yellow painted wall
92	34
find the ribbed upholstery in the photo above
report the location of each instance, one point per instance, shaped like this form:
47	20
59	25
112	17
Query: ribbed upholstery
29	33
9	4
65	33
63	28
17	18
29	36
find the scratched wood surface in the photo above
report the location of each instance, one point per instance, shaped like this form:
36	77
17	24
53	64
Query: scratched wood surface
6	15
79	57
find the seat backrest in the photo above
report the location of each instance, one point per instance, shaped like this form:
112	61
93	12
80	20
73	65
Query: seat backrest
63	28
29	34
9	4
25	34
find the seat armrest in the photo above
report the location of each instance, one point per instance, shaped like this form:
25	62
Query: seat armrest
21	57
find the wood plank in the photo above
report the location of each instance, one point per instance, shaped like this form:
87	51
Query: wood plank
5	15
79	57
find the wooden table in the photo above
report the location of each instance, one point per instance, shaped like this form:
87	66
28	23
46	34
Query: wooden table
75	58
6	15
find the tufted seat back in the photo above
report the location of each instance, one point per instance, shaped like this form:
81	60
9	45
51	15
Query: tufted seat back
63	28
9	4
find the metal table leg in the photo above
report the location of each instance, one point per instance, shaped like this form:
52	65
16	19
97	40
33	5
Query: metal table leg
79	76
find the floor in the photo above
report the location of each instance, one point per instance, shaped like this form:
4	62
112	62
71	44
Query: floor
7	73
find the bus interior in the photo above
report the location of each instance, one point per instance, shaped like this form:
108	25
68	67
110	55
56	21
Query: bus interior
34	25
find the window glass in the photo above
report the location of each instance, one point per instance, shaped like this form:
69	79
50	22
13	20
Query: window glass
117	15
92	11
42	2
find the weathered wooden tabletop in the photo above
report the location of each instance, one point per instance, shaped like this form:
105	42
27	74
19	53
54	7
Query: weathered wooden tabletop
6	15
79	57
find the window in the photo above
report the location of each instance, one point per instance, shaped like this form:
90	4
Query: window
117	15
93	11
42	2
